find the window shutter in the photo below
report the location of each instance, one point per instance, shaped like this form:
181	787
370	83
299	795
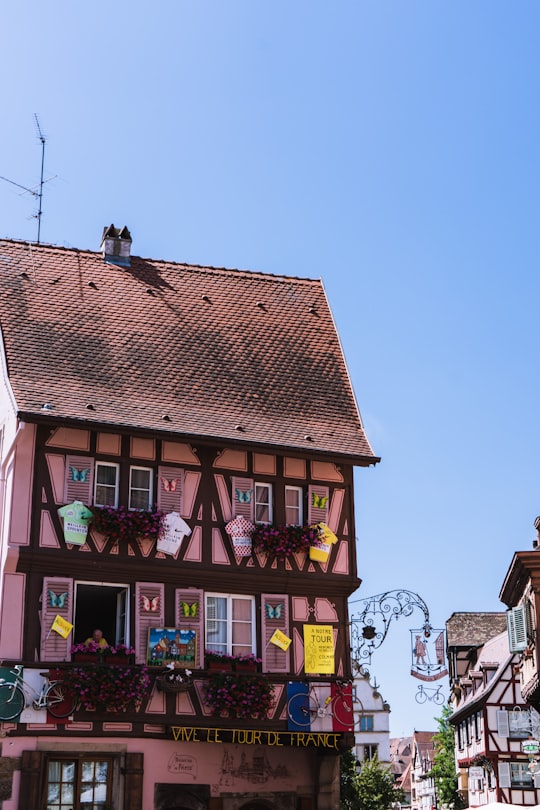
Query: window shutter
170	489
56	600
185	599
504	775
536	779
318	498
503	725
243	497
149	612
516	621
79	479
275	616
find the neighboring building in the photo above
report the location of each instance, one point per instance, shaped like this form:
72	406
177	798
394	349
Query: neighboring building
520	593
421	781
215	394
400	765
491	720
372	720
466	633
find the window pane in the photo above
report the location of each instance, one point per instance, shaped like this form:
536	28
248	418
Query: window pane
106	474
140	488
106	479
293	506
216	623
263	506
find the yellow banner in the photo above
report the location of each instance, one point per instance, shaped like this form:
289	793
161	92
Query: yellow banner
280	640
61	626
319	649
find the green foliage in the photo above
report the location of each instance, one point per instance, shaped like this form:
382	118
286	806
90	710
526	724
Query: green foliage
348	782
444	765
375	788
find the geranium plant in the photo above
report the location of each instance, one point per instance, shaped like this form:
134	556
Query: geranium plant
92	647
239	695
249	658
216	655
283	541
113	688
121	523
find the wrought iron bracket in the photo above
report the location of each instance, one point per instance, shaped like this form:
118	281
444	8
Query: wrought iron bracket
369	627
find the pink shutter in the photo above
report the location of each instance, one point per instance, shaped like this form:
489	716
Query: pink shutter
56	600
318	503
185	600
79	479
275	616
149	612
170	487
243	497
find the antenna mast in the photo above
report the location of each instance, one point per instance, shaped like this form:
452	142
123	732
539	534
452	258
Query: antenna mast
40	196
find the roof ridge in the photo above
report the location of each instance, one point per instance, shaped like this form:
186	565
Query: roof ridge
262	274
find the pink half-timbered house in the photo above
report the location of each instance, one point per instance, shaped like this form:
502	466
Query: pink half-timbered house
491	721
221	398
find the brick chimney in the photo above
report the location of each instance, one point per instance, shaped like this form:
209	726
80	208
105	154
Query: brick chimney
116	245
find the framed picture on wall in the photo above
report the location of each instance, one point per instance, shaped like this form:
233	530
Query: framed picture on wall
169	645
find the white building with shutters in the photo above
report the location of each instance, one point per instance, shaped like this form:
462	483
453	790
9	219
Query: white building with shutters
491	722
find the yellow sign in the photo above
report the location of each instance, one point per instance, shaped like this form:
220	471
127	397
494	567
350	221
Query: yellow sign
280	640
61	626
319	649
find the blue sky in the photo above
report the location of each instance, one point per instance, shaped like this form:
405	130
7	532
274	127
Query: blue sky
390	148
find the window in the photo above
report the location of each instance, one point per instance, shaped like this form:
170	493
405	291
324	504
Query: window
366	722
78	783
106	488
140	488
263	503
293	506
230	623
104	607
520	774
370	751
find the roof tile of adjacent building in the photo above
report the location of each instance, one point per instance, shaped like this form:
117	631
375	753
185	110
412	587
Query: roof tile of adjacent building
473	629
180	349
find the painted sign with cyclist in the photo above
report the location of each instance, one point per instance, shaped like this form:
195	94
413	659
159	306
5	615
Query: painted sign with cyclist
428	662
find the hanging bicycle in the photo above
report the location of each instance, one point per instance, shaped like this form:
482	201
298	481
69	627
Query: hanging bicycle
16	695
306	707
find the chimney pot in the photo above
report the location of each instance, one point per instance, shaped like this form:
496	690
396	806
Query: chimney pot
116	245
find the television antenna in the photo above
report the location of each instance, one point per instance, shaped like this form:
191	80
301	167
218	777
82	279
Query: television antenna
38	195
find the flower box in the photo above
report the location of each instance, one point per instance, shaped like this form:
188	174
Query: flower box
86	658
241	696
245	666
121	523
219	666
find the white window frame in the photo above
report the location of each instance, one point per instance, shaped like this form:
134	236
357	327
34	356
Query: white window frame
132	489
299	507
98	466
366	720
524	769
229	597
268	488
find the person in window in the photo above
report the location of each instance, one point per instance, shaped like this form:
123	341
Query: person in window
97	638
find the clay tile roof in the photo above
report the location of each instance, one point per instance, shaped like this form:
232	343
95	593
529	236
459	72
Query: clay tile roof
473	629
186	350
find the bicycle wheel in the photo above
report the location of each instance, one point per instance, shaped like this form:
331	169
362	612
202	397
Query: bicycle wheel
299	711
12	701
420	696
343	711
60	702
438	697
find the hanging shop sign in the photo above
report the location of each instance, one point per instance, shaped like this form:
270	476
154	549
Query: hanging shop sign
428	661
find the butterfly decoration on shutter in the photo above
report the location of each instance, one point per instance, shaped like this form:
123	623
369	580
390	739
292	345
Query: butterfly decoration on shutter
57	600
150	605
189	610
319	501
274	611
244	496
170	484
79	475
